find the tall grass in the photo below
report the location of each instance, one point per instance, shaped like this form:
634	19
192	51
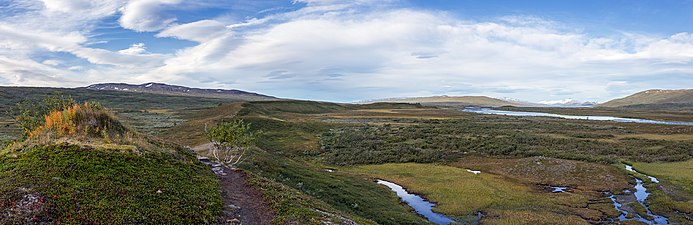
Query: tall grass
87	120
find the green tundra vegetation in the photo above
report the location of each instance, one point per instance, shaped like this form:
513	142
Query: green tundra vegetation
80	165
359	141
316	160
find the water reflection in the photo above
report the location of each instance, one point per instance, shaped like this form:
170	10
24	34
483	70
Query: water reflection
420	205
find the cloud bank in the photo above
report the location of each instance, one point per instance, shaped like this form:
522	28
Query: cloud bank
332	50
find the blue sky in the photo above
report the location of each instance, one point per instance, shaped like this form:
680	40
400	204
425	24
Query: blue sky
345	51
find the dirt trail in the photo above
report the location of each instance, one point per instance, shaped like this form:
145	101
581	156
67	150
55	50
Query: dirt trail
242	203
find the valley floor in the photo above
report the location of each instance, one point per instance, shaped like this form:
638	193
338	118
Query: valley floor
333	154
316	163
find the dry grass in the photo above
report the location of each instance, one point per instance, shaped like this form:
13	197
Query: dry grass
457	100
86	119
191	133
668	137
424	113
92	127
549	171
507	217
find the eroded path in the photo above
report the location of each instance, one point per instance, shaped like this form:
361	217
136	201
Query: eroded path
243	204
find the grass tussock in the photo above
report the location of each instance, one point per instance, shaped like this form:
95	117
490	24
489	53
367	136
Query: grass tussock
90	125
88	119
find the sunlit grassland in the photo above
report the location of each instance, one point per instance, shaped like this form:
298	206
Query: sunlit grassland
460	193
669	137
191	131
677	173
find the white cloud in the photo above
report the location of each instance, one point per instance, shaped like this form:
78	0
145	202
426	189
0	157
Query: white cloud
90	9
52	62
145	15
399	52
135	56
338	50
30	73
198	31
74	68
135	49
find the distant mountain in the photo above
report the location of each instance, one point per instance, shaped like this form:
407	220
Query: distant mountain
655	98
568	103
445	100
166	89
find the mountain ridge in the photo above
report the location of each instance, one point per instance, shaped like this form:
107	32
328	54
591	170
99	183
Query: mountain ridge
167	89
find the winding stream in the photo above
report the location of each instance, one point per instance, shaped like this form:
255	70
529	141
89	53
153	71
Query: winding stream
640	195
599	118
420	205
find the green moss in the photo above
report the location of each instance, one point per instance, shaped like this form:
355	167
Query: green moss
294	207
83	186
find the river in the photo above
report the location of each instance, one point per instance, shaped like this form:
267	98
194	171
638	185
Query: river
599	118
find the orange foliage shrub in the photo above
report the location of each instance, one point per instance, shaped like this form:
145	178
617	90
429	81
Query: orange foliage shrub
86	119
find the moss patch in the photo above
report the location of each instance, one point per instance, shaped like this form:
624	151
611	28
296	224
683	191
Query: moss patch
82	185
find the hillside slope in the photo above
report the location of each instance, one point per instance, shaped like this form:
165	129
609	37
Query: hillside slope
445	100
82	166
661	98
159	88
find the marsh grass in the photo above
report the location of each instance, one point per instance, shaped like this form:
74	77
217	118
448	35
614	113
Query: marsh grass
679	174
460	193
675	191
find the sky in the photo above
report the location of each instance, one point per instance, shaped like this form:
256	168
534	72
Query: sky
344	51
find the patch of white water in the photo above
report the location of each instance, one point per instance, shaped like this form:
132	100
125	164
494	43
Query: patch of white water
474	171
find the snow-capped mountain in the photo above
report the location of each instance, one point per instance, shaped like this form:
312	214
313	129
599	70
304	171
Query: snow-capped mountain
166	89
569	102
